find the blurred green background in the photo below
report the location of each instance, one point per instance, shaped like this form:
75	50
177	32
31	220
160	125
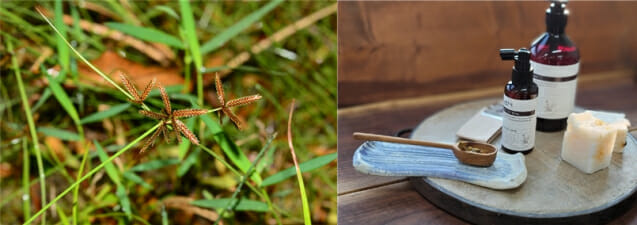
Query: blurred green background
281	50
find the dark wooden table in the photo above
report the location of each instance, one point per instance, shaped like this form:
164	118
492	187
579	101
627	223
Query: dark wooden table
366	199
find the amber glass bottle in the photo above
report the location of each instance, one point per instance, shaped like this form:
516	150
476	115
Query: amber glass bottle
520	100
555	60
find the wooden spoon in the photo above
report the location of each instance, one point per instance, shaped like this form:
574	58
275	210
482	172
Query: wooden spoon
462	149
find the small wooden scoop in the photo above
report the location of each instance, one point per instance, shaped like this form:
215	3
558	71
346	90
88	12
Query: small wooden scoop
467	152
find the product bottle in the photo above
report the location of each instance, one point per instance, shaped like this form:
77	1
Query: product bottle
555	60
520	100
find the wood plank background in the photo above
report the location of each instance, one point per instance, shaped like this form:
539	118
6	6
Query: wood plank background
414	49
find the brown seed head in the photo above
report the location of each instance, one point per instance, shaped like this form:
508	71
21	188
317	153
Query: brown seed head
219	90
243	100
189	112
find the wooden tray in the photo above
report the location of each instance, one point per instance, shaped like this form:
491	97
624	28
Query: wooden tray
554	192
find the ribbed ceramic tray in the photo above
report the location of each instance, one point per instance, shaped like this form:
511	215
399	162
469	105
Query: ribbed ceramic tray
554	191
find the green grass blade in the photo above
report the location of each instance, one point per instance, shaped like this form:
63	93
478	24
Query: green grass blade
111	171
188	23
63	98
31	123
26	200
124	200
306	205
155	164
167	10
232	205
137	179
63	52
77	189
93	171
45	96
242	204
84	59
164	216
146	34
63	218
59	133
228	146
66	103
188	162
99	116
299	176
235	29
307	166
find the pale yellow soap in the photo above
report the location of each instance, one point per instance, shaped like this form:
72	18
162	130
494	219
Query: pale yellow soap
618	121
588	142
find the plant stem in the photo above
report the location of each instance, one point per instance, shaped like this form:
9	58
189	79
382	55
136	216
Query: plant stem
82	57
299	176
34	136
233	200
93	171
77	189
26	200
235	171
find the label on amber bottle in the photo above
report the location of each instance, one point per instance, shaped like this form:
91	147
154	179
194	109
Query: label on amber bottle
556	89
518	123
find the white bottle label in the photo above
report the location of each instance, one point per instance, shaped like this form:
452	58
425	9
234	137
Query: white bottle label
556	89
518	124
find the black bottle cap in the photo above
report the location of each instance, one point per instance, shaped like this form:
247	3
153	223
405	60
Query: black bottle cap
556	16
522	73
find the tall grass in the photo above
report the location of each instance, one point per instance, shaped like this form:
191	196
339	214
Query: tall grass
34	136
228	153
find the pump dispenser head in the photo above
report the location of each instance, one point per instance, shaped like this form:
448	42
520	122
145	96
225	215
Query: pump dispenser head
522	71
556	16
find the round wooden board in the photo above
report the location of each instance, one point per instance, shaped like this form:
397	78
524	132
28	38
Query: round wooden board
554	191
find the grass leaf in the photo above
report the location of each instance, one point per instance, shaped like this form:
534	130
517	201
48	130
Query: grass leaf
155	164
99	116
188	23
164	216
146	34
111	171
136	179
186	164
63	52
63	98
232	31
59	133
307	166
228	146
243	204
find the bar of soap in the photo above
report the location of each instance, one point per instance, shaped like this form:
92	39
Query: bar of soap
588	142
618	121
482	127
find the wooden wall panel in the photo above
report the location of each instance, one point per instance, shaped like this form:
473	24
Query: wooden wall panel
391	50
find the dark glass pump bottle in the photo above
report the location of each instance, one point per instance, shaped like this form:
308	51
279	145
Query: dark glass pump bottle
555	59
520	100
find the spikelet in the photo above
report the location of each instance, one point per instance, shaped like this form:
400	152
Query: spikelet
129	86
220	93
150	141
149	86
235	119
243	101
175	129
154	115
164	98
164	132
184	130
188	112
